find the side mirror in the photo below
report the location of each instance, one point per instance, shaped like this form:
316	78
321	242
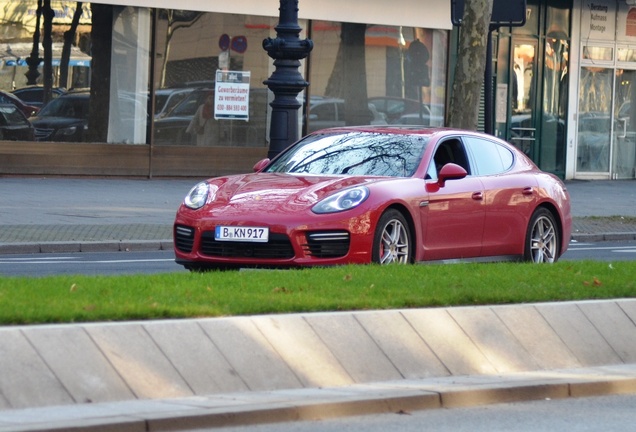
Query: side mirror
261	164
450	171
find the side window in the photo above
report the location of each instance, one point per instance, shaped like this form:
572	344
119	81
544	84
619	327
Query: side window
324	112
490	157
450	151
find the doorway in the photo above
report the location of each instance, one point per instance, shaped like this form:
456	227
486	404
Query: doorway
607	123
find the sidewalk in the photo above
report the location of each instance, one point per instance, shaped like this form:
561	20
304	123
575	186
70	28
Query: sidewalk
72	215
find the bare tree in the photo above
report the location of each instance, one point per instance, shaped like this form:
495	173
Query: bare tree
101	47
463	111
176	19
69	36
47	46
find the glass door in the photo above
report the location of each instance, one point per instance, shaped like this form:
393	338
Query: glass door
624	135
594	120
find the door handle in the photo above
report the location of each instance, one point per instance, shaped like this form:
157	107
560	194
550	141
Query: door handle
478	196
528	190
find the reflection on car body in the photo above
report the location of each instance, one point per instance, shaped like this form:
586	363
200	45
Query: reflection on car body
377	194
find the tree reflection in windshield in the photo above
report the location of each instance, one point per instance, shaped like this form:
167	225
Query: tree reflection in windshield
354	153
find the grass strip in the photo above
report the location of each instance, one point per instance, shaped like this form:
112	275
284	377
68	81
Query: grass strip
63	299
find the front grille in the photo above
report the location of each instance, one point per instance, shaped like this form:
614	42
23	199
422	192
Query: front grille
42	134
277	247
327	244
184	238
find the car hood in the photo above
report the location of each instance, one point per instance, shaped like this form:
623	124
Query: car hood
55	122
274	192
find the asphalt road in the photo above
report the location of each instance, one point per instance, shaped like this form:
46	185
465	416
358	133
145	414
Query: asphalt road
149	262
607	414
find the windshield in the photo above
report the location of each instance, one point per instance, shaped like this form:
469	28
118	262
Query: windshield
353	153
74	107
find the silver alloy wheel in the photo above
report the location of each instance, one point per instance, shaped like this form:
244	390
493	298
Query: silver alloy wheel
394	243
543	240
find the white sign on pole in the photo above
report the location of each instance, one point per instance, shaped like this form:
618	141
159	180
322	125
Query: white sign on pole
232	95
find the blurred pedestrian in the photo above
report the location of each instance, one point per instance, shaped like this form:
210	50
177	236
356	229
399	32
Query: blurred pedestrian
202	124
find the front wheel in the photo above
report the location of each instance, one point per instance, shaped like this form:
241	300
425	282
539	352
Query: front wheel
392	240
542	238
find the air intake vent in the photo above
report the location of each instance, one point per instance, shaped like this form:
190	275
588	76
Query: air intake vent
184	238
327	244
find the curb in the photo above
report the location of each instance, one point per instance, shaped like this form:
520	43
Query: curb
167	244
401	397
94	246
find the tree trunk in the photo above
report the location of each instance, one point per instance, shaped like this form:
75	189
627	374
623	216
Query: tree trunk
471	64
47	46
101	40
349	77
69	36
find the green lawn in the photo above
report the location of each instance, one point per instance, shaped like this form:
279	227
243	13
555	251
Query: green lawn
25	300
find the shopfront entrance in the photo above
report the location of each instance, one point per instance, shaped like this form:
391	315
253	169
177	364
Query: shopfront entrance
606	132
607	123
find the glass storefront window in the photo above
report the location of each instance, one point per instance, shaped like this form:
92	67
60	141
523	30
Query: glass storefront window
118	82
591	52
363	74
97	72
626	54
594	122
624	136
190	48
554	102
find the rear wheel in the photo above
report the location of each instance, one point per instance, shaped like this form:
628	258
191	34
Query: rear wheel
392	240
542	238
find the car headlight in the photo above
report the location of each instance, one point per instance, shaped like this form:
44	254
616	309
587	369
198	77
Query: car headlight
70	130
199	195
341	201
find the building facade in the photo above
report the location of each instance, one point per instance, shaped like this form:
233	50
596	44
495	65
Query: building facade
561	81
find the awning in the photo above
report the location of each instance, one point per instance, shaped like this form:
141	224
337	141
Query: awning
433	14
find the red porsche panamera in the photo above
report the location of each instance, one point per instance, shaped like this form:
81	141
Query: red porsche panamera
383	194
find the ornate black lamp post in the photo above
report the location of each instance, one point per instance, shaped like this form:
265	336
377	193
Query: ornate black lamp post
286	81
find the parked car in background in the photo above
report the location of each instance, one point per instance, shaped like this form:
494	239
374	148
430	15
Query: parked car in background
34	95
64	118
330	112
167	98
417	119
171	129
14	126
10	98
383	194
396	107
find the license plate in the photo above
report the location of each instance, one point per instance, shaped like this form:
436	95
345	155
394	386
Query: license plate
241	233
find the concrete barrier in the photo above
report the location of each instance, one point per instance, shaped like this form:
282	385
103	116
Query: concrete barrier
52	365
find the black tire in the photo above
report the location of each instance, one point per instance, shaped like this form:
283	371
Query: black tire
392	240
543	238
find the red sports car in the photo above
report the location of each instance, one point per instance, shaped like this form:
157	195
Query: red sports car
383	194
